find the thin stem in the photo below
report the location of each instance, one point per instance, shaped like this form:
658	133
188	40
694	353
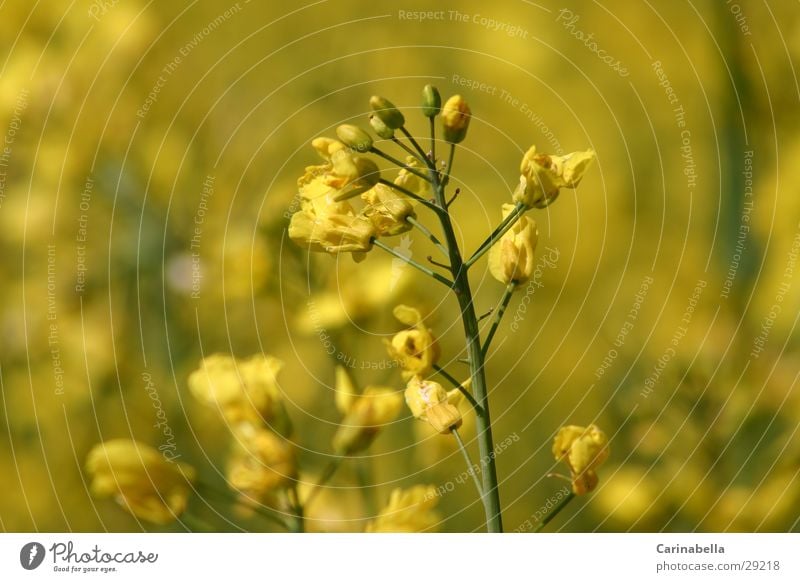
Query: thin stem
501	229
547	518
424	230
399	164
408	149
327	473
413	263
483	422
470	464
415	144
411	195
449	165
498	316
433	140
467	394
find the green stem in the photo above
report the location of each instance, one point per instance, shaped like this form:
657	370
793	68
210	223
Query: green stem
424	230
501	229
556	510
408	149
433	140
415	144
413	263
411	195
483	424
399	164
498	316
470	464
467	394
449	165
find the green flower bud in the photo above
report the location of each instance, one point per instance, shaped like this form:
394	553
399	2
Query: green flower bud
380	127
455	119
354	137
431	101
388	113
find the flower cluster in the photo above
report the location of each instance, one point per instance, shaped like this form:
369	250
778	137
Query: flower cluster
248	397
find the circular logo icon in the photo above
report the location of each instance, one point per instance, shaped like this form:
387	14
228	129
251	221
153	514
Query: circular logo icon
31	555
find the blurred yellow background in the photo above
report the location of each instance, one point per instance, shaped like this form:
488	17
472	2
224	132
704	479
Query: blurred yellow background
150	158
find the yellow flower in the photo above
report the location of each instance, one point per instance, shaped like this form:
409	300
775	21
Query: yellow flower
412	182
455	119
245	391
408	511
416	349
261	461
511	258
428	401
544	175
387	210
346	172
584	449
364	414
339	233
140	479
325	222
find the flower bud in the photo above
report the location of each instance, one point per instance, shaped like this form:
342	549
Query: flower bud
387	112
511	257
380	128
431	101
455	119
444	417
354	137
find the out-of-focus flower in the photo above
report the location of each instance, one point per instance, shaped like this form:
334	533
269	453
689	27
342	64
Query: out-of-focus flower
543	175
245	391
429	401
408	511
261	461
412	182
455	119
364	414
511	258
387	210
416	349
584	449
140	479
388	113
358	293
